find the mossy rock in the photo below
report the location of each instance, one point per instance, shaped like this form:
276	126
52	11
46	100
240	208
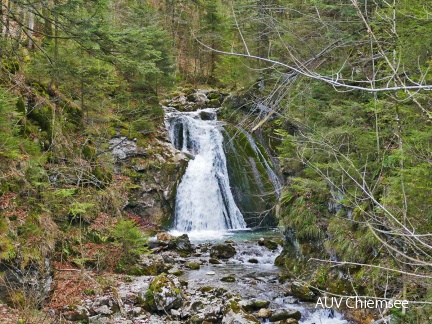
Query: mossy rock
228	279
164	294
283	315
269	244
236	314
192	265
302	292
214	261
213	103
214	96
205	289
222	251
254	305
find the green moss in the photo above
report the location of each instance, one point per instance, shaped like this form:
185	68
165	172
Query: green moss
89	152
192	265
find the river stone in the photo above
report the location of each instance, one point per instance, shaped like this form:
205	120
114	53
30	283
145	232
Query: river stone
269	244
302	292
192	265
236	315
222	251
253	260
264	313
181	244
284	314
164	293
211	273
214	261
208	115
254	305
228	279
176	271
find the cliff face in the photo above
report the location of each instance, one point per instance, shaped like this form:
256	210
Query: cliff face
155	170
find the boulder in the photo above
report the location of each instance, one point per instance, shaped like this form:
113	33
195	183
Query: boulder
264	313
164	294
302	292
79	314
269	244
192	265
222	251
214	261
151	265
284	314
181	244
228	279
254	304
234	314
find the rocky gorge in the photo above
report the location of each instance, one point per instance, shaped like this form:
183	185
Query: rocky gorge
227	282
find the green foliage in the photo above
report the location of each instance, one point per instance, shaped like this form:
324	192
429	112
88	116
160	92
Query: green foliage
128	236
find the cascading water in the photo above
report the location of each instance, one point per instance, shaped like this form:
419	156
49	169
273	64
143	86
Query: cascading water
204	201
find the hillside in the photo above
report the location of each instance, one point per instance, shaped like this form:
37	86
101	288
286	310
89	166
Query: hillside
337	94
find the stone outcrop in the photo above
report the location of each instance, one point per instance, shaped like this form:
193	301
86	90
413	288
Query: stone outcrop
222	251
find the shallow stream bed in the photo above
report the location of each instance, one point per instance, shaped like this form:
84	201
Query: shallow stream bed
256	276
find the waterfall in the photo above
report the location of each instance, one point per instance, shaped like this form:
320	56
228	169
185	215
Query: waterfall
204	201
268	168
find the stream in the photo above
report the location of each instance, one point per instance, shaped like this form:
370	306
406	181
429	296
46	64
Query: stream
208	212
256	276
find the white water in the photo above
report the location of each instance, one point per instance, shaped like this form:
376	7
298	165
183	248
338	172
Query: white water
269	170
204	202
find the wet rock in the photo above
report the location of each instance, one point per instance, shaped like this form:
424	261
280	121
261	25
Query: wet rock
176	272
302	292
254	304
213	103
164	293
222	251
287	321
181	244
208	115
236	315
264	313
192	265
253	260
214	261
284	314
270	244
228	279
